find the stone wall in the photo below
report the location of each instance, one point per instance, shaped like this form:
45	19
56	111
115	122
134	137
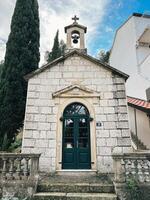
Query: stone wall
114	135
110	109
132	175
18	175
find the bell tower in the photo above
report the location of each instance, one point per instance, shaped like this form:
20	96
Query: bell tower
75	36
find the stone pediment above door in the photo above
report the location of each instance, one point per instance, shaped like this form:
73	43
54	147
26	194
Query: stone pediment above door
76	90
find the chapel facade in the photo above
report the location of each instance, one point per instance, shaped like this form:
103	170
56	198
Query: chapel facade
76	110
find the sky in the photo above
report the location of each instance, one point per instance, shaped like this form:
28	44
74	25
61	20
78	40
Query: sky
102	18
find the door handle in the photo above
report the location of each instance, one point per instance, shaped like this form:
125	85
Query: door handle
77	144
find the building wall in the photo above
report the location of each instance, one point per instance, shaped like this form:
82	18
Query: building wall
127	57
41	124
143	125
124	45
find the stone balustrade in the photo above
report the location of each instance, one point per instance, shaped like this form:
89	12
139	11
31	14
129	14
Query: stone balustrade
132	165
16	166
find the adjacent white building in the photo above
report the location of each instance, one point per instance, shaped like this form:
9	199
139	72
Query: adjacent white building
131	53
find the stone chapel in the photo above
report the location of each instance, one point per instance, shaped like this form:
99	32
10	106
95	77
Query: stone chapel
76	110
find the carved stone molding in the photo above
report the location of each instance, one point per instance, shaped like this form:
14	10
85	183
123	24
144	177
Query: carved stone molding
74	91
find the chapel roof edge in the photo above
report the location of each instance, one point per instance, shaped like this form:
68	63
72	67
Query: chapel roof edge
86	56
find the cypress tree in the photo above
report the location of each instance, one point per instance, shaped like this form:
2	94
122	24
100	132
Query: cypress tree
22	56
1	66
62	47
56	51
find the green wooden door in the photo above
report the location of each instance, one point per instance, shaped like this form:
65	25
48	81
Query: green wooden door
76	138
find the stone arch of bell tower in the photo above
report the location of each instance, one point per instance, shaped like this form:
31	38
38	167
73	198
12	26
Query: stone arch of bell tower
75	35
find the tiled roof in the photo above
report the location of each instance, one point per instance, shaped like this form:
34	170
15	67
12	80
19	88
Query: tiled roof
139	103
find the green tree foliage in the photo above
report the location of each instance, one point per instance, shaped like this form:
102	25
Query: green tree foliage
1	66
133	190
62	47
57	50
103	56
55	53
22	56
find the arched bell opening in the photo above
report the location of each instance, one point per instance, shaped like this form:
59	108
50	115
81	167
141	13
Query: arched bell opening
76	150
75	39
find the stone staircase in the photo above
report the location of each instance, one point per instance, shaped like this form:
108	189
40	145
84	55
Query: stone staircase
139	144
75	187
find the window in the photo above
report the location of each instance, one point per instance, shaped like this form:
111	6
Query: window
76	109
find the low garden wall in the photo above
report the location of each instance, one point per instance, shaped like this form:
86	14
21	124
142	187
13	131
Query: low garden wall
132	175
18	175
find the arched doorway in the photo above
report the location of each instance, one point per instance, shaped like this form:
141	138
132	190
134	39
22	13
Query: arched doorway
76	151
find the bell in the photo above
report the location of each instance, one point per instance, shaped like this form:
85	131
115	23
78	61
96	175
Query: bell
75	39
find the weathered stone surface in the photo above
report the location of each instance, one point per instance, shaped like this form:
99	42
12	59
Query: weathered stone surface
76	187
123	125
41	143
111	142
115	133
52	143
21	182
124	141
125	133
110	109
29	142
32	109
74	196
103	133
101	141
104	151
110	125
130	181
112	117
43	126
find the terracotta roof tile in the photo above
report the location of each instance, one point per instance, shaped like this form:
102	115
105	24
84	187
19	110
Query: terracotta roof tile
139	102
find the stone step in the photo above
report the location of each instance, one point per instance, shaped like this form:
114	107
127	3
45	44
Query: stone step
74	196
76	184
76	187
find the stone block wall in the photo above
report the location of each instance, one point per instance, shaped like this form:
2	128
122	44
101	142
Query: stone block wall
114	134
110	109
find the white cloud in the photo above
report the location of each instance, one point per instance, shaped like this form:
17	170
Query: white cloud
109	29
56	14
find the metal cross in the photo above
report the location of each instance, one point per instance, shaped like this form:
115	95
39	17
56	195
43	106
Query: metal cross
75	18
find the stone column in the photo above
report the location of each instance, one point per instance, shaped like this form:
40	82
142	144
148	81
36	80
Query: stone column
68	40
82	44
119	169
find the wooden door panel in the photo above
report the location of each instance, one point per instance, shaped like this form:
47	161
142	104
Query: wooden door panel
68	160
83	157
76	138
